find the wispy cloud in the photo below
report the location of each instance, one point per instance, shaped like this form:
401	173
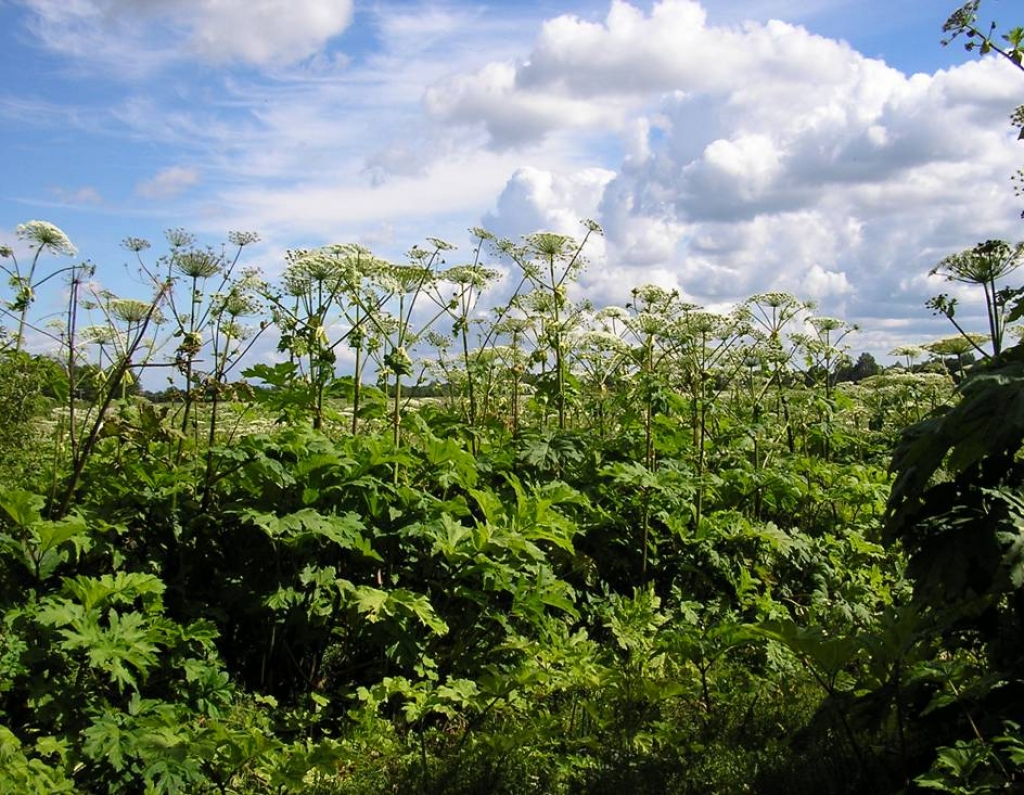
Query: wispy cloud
157	33
169	183
30	111
85	195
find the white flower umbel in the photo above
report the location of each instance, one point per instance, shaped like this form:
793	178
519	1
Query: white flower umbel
45	235
41	235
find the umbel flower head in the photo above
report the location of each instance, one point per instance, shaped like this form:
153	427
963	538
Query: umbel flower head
470	275
46	235
242	239
135	244
132	310
98	335
983	264
197	264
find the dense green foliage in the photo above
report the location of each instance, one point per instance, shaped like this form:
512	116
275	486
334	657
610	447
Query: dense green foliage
638	548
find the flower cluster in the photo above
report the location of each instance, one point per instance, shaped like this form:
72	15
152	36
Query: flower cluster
46	235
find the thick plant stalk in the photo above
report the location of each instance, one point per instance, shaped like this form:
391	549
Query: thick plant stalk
27	298
112	387
357	378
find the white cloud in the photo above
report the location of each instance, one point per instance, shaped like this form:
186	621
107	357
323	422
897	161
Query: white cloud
156	32
168	183
413	30
85	195
264	31
751	157
582	73
510	116
453	188
535	200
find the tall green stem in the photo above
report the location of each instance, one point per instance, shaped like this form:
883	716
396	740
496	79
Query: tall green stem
26	299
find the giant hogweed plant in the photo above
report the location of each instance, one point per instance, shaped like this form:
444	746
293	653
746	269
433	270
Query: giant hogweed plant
402	329
955	505
549	263
346	292
138	317
25	378
123	331
646	332
325	300
824	350
206	319
467	284
511	342
105	691
985	265
706	365
40	236
768	319
600	361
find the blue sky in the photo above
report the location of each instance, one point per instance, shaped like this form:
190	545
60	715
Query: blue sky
831	148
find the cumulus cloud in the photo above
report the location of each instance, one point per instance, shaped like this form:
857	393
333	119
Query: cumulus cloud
753	156
535	200
168	183
581	73
513	117
151	33
265	31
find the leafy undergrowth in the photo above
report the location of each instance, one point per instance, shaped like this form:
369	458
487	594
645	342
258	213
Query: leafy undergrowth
344	615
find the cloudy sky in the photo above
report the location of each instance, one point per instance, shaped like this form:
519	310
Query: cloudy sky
831	148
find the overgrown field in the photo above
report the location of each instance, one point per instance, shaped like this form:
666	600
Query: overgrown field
638	549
